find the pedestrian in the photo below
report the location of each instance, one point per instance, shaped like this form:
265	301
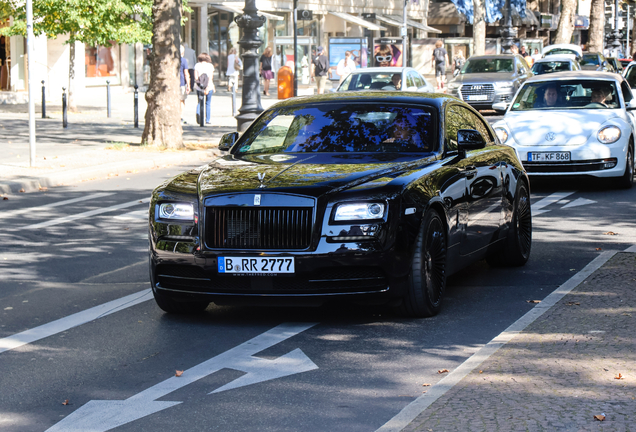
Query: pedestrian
535	55
458	62
234	68
204	76
440	59
191	57
345	66
523	52
320	69
266	69
184	78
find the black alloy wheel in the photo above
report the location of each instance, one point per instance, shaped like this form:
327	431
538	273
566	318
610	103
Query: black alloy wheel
427	281
626	181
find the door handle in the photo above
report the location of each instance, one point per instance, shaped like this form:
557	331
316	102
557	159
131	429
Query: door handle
470	171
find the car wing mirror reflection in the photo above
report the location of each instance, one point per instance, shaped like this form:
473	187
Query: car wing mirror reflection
470	139
228	140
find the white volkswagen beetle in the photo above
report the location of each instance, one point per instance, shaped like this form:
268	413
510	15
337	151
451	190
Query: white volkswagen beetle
572	123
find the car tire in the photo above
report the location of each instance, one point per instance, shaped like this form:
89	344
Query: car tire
427	280
626	181
518	244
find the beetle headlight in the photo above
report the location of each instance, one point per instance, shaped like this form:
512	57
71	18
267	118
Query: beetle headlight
609	134
359	211
502	134
176	211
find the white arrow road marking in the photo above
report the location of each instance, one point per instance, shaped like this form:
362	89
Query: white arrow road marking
79	318
100	416
13	213
550	199
90	213
578	202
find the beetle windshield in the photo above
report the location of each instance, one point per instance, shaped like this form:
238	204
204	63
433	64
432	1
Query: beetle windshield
567	94
342	128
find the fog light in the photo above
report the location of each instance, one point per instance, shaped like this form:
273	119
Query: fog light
609	163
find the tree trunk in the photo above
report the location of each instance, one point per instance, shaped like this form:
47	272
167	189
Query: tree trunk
632	41
479	28
163	115
72	106
597	26
566	22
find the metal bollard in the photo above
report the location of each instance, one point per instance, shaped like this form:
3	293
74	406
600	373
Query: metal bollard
64	120
43	100
234	100
136	106
201	108
108	98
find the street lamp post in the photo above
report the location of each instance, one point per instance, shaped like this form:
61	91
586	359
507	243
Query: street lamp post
251	106
508	32
614	39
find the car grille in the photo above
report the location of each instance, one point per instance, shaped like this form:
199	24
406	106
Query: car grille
258	228
564	167
332	280
477	90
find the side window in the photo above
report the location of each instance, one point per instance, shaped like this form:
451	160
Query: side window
627	92
409	80
481	127
417	80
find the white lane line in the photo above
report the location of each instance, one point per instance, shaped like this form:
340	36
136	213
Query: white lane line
134	215
79	318
13	213
550	199
631	249
578	202
412	410
69	218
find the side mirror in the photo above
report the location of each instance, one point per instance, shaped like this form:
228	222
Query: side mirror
228	140
631	105
470	139
500	106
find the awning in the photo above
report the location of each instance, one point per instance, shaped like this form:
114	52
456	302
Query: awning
517	20
397	21
357	20
444	14
239	11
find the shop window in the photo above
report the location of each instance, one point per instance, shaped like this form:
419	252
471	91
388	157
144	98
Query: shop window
102	62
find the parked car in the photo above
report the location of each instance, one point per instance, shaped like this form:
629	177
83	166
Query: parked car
555	63
571	50
616	64
629	73
485	80
381	78
595	62
625	61
341	196
573	123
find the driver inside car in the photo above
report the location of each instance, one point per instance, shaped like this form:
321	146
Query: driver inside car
599	97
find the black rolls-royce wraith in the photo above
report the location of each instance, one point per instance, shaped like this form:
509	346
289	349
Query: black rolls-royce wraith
373	197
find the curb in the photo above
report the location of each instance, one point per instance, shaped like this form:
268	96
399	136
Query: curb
31	184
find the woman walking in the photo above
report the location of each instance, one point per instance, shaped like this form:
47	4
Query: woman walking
204	83
266	69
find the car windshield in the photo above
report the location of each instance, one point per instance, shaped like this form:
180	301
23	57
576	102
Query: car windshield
341	128
549	67
371	81
567	94
483	65
589	59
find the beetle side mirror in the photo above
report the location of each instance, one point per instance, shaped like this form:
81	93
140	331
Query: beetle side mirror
500	107
228	140
631	105
470	139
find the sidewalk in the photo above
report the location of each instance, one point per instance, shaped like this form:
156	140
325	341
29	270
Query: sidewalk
574	362
90	147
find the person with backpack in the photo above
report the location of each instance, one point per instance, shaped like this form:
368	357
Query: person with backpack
204	83
234	68
440	59
320	69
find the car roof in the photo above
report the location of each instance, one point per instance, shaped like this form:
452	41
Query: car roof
557	57
562	46
493	56
434	99
566	75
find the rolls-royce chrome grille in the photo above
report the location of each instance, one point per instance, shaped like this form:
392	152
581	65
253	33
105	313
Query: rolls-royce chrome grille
258	228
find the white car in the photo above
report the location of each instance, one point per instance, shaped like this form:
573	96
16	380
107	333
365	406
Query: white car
555	63
381	78
571	50
572	123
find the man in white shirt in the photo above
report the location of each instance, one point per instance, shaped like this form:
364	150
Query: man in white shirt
191	56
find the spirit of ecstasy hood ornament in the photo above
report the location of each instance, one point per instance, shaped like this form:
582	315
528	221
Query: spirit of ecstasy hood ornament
261	178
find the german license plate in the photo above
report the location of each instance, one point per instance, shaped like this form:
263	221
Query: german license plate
478	97
256	265
548	156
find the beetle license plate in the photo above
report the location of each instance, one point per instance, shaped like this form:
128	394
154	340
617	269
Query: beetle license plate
548	156
256	265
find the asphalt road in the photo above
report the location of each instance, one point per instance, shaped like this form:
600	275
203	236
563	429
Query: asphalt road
337	368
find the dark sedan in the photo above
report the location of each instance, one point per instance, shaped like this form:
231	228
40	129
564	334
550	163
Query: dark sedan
373	197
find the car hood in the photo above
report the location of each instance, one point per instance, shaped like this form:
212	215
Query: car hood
573	127
483	77
315	174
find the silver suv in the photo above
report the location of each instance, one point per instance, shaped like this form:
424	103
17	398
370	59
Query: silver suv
485	80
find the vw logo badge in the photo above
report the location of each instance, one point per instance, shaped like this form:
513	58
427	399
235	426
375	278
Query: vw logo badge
550	136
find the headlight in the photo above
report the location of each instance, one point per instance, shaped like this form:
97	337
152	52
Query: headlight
503	85
502	134
176	211
609	134
364	211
